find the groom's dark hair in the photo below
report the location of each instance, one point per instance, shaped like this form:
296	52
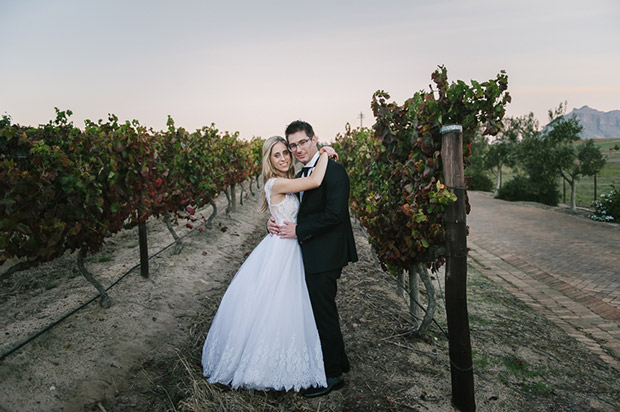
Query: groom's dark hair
297	126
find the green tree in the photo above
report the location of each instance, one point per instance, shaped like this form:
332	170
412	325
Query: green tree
502	151
545	155
570	160
536	175
476	173
528	149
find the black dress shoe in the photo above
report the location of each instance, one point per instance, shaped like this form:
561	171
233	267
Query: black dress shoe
332	385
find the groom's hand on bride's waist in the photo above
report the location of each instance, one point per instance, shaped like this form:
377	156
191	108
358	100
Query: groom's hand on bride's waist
287	230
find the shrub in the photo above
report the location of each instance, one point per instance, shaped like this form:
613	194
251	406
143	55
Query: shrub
526	189
607	208
478	180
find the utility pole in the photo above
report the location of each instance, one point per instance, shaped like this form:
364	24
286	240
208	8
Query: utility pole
361	117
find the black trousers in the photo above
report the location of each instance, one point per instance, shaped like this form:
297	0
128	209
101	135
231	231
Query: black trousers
322	288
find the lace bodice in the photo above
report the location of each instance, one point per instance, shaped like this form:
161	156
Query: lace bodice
285	210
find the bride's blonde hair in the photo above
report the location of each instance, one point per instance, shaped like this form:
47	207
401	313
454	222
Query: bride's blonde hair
269	170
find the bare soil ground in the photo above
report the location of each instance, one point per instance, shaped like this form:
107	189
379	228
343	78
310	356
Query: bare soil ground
143	353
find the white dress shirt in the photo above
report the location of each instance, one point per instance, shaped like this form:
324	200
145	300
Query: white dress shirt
312	164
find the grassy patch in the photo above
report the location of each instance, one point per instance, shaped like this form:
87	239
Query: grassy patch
517	367
50	285
608	176
481	360
538	388
479	321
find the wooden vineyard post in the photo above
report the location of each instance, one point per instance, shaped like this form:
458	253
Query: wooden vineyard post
595	187
144	250
233	198
461	369
414	296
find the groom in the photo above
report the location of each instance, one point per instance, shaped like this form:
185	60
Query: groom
324	232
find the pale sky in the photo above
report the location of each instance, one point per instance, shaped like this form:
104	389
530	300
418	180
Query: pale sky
255	66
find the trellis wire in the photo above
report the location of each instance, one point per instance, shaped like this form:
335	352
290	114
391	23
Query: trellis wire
56	322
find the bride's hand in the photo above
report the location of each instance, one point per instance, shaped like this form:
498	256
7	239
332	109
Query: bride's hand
272	227
331	153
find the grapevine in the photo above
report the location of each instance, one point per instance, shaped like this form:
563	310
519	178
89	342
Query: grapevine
397	189
64	189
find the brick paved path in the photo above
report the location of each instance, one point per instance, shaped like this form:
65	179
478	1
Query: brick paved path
565	266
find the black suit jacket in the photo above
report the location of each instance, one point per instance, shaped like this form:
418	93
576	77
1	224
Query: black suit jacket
324	225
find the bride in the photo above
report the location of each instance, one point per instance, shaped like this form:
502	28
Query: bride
263	335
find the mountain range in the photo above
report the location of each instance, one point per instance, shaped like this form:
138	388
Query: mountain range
597	124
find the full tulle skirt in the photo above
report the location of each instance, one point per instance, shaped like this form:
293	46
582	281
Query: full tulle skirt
263	335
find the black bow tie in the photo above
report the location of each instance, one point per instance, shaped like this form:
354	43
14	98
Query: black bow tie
305	170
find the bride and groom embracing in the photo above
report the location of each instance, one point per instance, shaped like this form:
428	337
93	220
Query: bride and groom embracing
277	325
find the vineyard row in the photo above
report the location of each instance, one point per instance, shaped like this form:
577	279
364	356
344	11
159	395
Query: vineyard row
65	189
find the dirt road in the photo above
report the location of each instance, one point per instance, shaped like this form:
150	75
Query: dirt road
96	352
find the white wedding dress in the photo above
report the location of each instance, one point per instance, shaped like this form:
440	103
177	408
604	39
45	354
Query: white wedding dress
263	335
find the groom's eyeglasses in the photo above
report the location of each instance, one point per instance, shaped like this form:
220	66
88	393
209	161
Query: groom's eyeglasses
301	144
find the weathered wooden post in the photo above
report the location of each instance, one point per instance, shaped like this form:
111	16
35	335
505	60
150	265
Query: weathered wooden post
233	197
461	368
144	250
595	187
